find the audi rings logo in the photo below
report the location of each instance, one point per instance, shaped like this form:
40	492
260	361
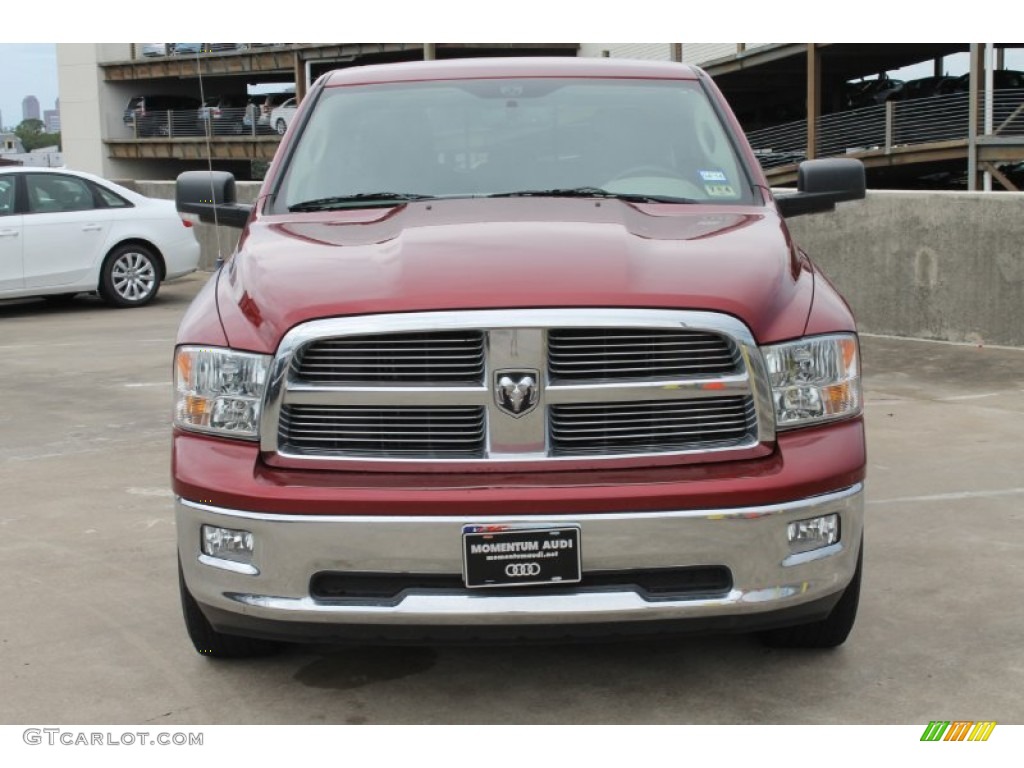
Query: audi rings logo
522	569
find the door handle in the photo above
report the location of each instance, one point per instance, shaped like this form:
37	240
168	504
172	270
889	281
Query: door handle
91	228
8	233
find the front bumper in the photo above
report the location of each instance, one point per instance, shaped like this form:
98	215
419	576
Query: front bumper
770	586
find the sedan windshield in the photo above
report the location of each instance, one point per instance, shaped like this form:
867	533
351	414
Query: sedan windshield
640	140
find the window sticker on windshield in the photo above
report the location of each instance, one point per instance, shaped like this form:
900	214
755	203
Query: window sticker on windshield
720	190
712	176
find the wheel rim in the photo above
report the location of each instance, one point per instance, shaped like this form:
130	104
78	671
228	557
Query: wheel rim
133	276
281	127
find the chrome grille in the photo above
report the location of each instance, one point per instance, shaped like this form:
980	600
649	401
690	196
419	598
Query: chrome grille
654	426
422	431
632	386
434	357
576	354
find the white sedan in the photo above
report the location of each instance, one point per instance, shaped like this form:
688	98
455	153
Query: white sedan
281	117
65	232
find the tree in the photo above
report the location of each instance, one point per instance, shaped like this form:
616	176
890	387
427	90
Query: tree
33	135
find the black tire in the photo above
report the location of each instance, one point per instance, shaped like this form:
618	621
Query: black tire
280	126
130	276
828	633
210	642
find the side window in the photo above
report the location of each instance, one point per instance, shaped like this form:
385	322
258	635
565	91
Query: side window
6	195
109	198
52	193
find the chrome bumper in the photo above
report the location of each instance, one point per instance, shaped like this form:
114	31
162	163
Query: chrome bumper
290	549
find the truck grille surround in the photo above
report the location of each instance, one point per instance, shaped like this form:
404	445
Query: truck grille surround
489	389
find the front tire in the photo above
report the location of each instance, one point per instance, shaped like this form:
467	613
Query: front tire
281	127
208	641
832	631
130	276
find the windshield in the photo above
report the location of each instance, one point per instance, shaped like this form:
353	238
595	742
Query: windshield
642	138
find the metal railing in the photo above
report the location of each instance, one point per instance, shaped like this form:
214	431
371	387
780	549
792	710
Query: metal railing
151	50
853	131
1008	113
201	121
935	118
885	126
781	144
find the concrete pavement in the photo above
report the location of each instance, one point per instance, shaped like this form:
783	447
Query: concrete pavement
91	632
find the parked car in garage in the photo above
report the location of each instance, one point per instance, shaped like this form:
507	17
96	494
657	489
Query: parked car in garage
281	117
922	88
64	232
191	49
162	115
1002	79
866	93
222	115
259	111
156	49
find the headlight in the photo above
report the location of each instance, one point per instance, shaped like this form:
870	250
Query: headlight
814	379
219	391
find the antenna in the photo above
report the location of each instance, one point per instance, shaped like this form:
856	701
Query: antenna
208	131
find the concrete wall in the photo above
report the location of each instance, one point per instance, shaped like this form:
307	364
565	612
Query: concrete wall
80	85
934	265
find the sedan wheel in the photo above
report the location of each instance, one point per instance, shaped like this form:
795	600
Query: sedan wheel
130	277
281	127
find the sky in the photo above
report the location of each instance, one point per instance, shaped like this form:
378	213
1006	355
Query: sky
26	68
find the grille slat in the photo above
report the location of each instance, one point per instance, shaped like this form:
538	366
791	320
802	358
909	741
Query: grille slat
656	425
414	431
414	394
428	358
602	354
573	432
574	349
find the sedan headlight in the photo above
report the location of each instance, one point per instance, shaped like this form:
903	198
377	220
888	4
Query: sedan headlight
814	380
219	391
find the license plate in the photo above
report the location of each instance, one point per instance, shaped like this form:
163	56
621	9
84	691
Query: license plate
498	556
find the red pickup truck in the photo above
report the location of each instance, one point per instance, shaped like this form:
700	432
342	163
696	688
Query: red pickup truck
517	348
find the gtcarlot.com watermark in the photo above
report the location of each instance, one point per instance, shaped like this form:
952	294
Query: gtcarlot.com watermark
59	736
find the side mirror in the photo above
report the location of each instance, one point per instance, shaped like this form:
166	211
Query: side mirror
821	184
211	196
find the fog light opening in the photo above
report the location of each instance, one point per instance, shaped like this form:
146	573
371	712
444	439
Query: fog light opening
813	533
227	544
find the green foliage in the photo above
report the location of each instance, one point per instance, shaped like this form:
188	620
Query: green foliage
33	135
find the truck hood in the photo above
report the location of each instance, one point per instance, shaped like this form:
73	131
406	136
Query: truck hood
513	253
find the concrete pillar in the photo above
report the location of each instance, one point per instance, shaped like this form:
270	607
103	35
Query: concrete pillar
301	84
976	83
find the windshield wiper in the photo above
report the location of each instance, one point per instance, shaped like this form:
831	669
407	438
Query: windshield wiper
629	197
356	200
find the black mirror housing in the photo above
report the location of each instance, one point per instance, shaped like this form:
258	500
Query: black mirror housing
823	183
210	195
